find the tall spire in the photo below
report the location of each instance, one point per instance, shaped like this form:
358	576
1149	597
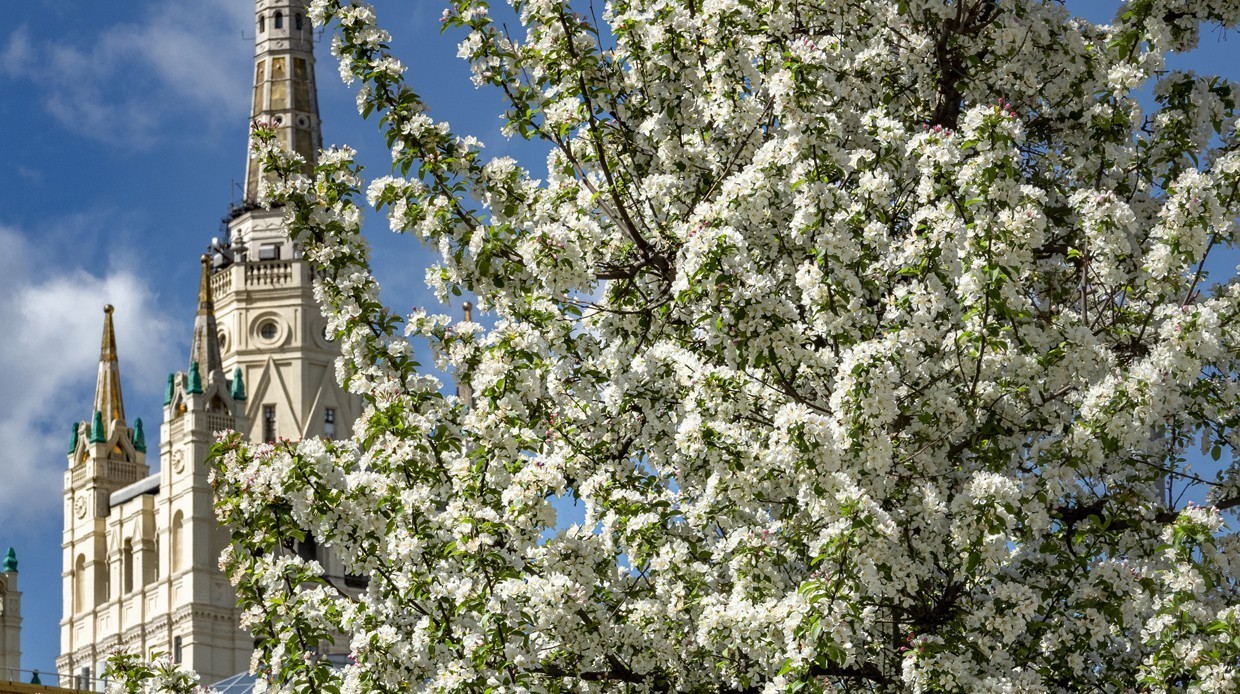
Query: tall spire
205	350
108	388
284	89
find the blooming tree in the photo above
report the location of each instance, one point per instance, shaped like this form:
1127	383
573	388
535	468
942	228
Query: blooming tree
871	335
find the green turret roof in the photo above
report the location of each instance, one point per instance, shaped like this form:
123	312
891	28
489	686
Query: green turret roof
96	429
172	381
10	562
73	437
238	385
139	437
195	379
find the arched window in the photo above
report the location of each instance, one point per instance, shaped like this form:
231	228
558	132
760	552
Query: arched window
279	20
178	542
297	21
127	568
262	23
79	584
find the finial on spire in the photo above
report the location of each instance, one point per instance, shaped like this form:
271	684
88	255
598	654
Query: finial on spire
10	562
469	311
108	386
205	350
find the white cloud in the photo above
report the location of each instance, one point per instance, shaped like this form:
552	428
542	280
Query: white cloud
186	58
17	58
49	357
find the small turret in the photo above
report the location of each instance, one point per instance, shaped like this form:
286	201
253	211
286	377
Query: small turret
139	436
238	385
193	385
10	619
73	438
97	432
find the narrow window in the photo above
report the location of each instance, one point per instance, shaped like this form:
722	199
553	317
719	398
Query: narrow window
176	649
279	20
155	568
103	578
297	22
262	23
79	581
329	422
269	423
127	567
178	541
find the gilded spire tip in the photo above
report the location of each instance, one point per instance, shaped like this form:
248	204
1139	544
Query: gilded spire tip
107	350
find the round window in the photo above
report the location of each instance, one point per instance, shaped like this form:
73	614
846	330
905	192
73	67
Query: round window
268	330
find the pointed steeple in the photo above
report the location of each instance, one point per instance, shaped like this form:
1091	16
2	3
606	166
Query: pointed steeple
108	400
205	351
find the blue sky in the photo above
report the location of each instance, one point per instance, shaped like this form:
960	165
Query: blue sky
125	128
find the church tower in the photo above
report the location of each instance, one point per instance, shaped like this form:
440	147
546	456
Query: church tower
141	550
105	455
271	332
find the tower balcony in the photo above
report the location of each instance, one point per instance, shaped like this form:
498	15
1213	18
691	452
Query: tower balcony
261	274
